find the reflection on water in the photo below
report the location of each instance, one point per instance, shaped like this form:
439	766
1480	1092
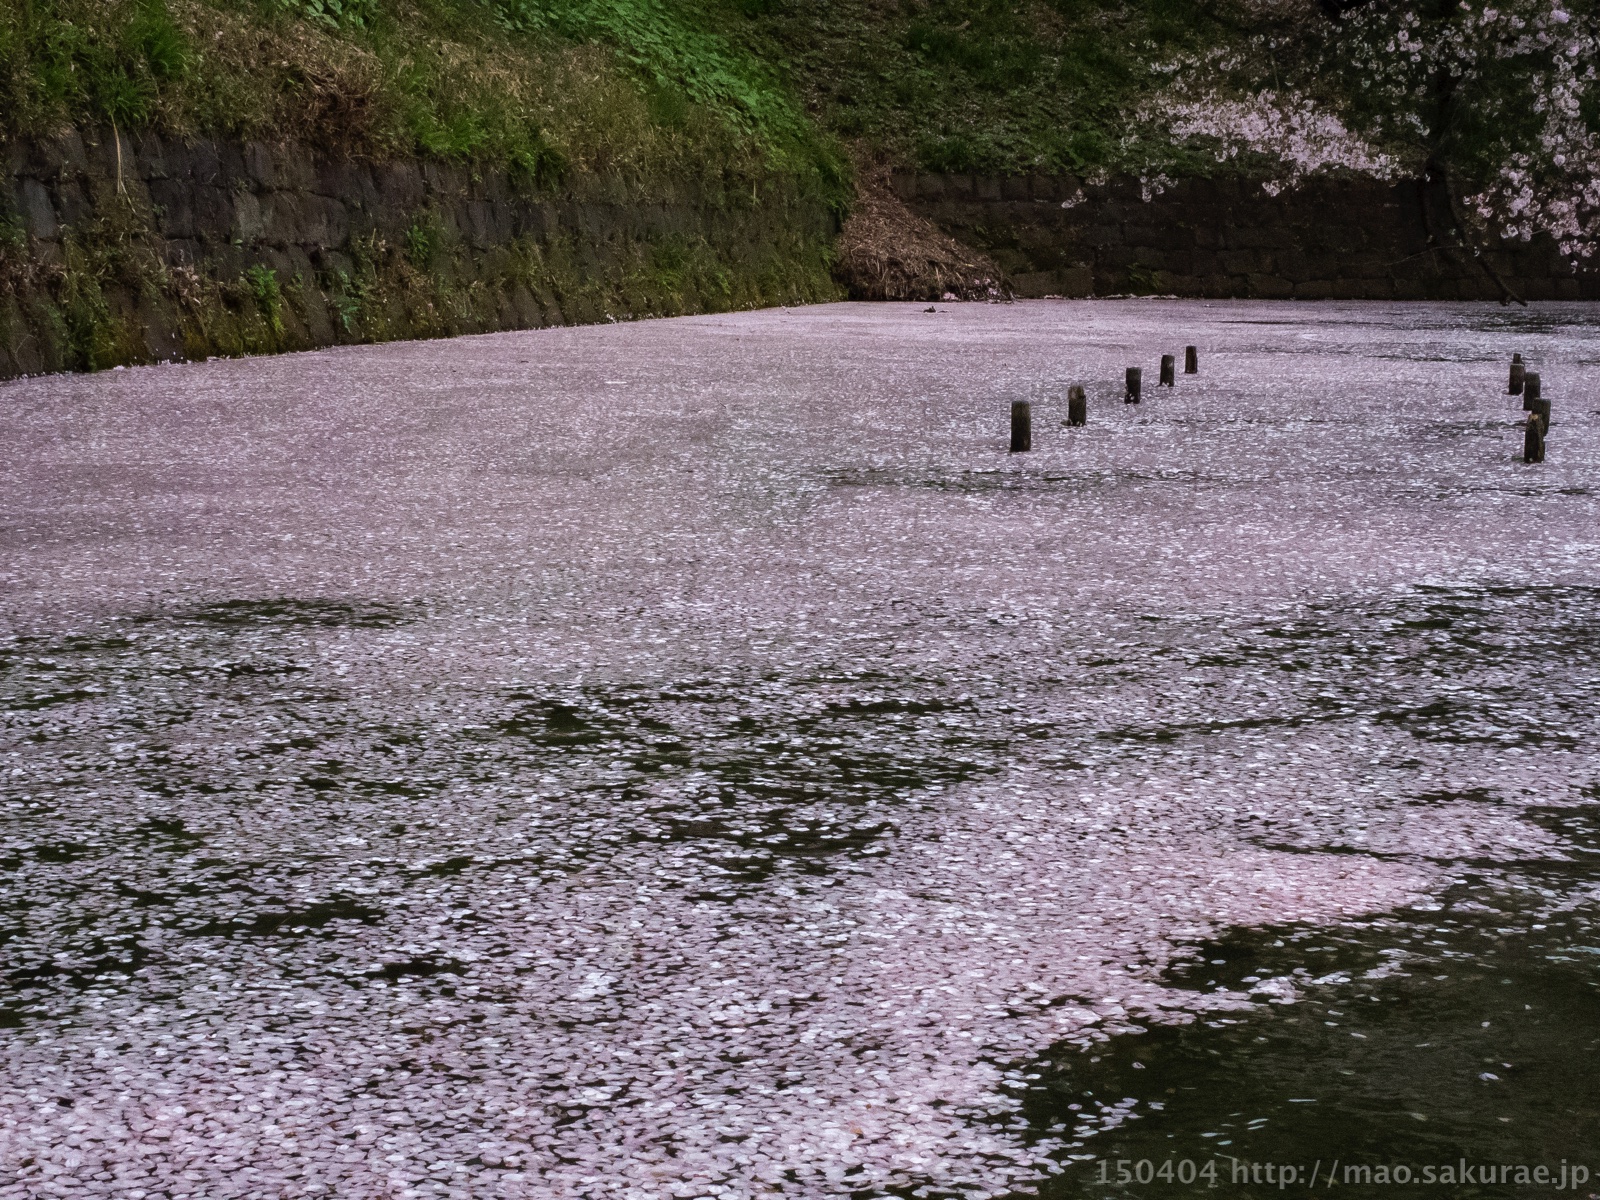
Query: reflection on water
1420	1040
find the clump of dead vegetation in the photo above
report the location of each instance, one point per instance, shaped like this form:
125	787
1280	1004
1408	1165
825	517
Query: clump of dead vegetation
888	252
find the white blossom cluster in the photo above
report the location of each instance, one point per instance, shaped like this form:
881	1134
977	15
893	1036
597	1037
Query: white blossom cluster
1502	96
1555	187
1518	126
1290	129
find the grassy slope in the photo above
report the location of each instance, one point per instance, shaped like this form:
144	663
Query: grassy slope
1078	85
639	87
742	88
549	93
1003	85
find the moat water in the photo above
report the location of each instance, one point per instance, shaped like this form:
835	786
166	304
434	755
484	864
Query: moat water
693	758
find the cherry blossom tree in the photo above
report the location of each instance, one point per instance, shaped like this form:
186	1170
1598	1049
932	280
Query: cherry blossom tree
1495	104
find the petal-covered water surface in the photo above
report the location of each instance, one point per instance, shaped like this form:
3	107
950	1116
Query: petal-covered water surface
694	758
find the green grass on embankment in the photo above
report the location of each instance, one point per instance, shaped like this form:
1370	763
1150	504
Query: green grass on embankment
659	88
634	89
997	86
734	89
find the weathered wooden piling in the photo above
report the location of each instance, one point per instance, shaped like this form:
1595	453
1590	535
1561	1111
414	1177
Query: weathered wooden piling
1077	405
1517	370
1541	409
1530	390
1191	360
1135	385
1533	440
1169	371
1021	426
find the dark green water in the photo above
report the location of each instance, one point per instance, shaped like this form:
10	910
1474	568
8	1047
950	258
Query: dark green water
1463	1042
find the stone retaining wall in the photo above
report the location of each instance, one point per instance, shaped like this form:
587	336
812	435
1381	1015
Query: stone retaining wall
122	250
1328	238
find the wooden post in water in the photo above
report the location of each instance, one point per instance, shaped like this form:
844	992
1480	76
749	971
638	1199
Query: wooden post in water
1533	440
1169	371
1135	385
1077	405
1541	409
1530	391
1191	360
1517	369
1021	426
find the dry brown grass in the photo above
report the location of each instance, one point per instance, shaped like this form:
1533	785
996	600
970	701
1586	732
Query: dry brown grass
888	252
287	82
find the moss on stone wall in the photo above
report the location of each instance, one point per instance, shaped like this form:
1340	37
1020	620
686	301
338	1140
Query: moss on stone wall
189	251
